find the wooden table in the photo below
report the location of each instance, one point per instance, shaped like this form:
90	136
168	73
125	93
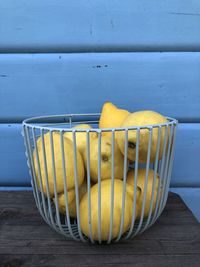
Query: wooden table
26	240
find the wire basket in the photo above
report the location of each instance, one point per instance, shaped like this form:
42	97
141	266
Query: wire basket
85	189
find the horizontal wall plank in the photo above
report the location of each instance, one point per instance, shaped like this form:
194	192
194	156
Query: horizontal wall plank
75	26
40	84
186	171
13	167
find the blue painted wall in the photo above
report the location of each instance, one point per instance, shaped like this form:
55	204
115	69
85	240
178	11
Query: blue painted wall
100	25
70	56
65	83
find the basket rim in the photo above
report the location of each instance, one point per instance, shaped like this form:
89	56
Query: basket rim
29	123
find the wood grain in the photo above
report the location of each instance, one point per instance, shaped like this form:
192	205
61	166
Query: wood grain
25	240
100	260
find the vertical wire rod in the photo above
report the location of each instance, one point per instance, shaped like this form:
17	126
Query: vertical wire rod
63	156
168	171
171	160
99	186
31	167
55	180
112	188
89	185
130	232
76	185
165	171
160	182
39	174
124	186
51	222
146	182
153	189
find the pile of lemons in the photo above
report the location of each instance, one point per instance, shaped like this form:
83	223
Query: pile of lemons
111	117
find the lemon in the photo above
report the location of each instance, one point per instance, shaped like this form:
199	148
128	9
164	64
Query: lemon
141	184
81	137
71	200
111	117
105	159
106	210
61	200
141	118
69	164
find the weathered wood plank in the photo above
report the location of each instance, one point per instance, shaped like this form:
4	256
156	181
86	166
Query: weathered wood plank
100	260
151	246
186	168
31	232
74	26
11	214
171	242
80	83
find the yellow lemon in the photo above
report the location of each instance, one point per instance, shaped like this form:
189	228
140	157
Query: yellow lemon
61	200
106	210
71	200
105	159
141	185
81	137
69	164
142	118
111	117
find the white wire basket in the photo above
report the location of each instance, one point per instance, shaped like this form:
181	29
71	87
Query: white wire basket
86	189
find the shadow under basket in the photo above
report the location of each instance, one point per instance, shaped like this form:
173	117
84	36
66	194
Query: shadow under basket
98	185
